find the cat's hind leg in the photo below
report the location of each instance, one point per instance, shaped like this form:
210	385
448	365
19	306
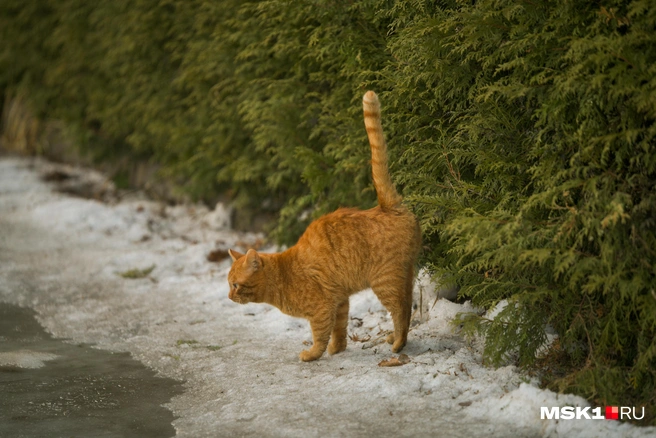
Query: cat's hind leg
395	294
322	325
338	337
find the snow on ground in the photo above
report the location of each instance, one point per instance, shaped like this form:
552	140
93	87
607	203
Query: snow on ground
64	256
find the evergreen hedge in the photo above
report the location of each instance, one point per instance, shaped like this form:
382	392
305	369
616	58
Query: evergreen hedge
522	135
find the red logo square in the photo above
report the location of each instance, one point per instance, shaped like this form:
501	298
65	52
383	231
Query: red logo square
612	413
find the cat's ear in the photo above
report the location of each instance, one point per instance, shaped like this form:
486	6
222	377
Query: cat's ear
253	260
235	255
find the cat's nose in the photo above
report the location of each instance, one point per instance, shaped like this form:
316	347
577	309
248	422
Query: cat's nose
231	294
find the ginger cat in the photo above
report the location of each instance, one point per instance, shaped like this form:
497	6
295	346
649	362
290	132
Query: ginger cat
340	254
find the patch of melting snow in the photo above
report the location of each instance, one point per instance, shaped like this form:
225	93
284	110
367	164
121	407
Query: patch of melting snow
25	358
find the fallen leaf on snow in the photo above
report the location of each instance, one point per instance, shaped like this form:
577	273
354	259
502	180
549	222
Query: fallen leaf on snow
137	273
356	338
217	255
395	361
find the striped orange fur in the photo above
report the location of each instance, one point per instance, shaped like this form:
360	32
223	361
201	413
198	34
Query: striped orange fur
340	254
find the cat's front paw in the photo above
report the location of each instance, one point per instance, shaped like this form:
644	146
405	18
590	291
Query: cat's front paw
390	338
309	355
336	347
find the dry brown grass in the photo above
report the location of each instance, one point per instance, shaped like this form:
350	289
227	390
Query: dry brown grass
21	129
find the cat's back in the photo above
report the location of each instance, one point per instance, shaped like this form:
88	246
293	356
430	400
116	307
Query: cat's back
362	237
345	250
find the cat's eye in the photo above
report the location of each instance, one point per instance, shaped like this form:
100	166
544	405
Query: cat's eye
234	285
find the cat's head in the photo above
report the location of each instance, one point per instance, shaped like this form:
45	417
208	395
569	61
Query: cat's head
246	277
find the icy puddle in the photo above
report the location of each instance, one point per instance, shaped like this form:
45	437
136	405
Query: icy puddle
51	388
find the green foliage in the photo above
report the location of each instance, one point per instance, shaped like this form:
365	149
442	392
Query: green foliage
521	134
537	177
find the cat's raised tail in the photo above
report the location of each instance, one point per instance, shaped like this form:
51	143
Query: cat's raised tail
388	197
